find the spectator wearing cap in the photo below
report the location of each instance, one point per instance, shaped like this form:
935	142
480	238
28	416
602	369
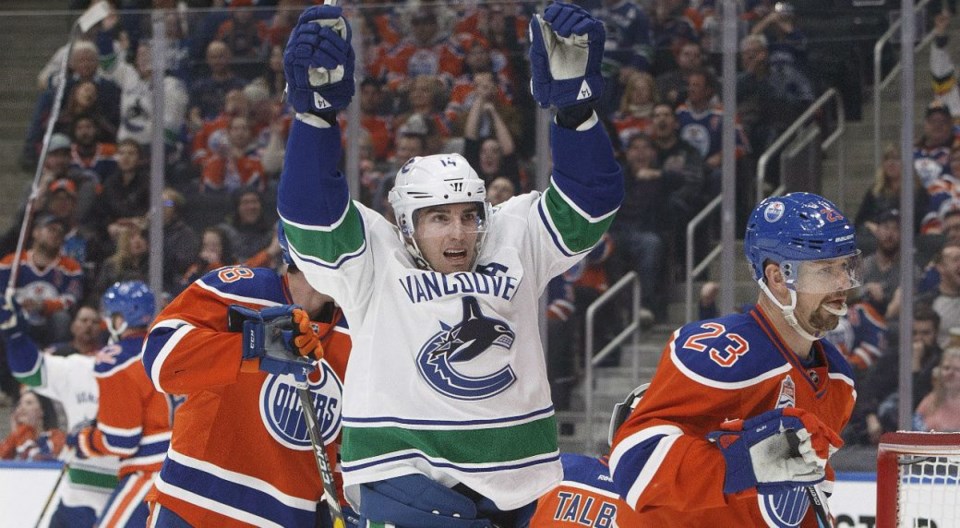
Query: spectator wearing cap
80	241
48	282
59	165
931	154
180	242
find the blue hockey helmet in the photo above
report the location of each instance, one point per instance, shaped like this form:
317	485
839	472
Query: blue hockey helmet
131	299
801	227
284	245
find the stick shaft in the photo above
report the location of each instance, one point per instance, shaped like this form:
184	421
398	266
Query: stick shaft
56	485
320	453
94	14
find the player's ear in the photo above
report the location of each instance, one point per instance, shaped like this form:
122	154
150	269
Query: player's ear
772	274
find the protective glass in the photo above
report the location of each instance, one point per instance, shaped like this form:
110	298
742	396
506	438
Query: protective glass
825	276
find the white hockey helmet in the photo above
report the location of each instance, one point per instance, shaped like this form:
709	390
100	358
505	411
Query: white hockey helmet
427	181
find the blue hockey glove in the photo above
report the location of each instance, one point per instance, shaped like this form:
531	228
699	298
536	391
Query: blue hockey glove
79	438
11	318
566	47
278	337
319	62
415	500
780	448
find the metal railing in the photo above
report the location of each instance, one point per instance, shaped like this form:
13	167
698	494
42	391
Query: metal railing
591	360
692	270
880	84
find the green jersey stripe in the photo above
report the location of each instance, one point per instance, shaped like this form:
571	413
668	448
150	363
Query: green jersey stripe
472	446
31	380
83	477
328	246
577	232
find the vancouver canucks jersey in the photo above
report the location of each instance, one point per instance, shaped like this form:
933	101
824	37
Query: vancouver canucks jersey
733	367
447	374
69	380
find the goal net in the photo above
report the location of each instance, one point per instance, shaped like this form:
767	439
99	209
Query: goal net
918	480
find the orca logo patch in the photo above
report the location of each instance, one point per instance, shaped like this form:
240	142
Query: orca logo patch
473	336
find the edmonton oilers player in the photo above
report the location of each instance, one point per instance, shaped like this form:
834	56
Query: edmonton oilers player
447	415
587	496
241	453
713	442
133	421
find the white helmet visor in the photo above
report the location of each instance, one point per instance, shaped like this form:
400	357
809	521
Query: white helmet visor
453	220
824	276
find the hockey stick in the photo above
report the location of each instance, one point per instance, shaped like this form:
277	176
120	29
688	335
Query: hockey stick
817	499
320	453
91	17
56	485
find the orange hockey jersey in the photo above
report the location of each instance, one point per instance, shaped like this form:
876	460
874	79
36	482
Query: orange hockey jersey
585	497
133	421
733	367
240	453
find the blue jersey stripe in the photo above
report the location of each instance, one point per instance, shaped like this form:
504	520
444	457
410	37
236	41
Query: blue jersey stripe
406	421
234	495
632	462
550	458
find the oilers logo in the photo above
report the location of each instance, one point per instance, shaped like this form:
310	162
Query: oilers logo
282	414
774	212
472	336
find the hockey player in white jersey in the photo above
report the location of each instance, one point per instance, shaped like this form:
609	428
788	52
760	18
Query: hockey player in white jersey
447	418
69	380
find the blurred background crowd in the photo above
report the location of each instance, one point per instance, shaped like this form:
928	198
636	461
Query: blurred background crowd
453	76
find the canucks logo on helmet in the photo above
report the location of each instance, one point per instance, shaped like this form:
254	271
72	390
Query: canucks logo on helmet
282	414
474	335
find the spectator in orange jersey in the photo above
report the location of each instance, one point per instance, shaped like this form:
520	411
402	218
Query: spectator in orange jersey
237	164
635	113
427	51
34	434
